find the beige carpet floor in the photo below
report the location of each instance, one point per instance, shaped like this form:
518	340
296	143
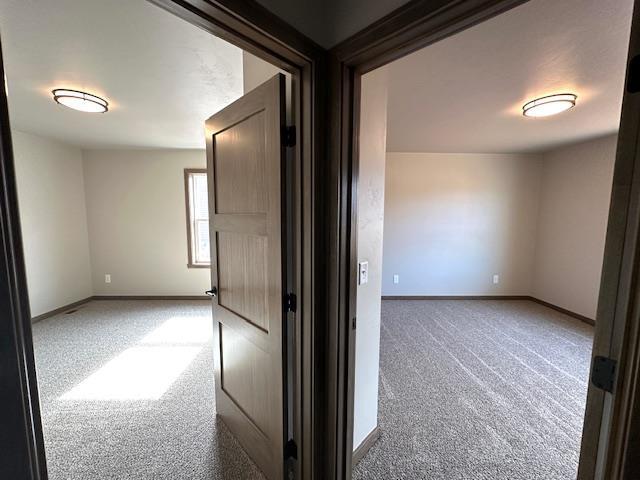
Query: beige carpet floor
468	390
127	392
479	390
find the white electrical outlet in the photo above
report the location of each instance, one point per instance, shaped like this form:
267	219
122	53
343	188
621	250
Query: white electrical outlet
396	279
363	273
496	279
107	278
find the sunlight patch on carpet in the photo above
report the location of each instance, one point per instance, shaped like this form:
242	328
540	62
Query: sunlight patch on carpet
182	330
139	373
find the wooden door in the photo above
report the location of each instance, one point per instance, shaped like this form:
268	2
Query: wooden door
611	433
245	164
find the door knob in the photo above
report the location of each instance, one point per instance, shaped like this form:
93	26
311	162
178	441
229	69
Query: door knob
213	292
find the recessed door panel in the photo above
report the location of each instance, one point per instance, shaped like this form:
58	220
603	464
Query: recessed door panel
239	162
242	276
245	373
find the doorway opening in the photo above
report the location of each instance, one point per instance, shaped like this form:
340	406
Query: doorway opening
115	228
480	245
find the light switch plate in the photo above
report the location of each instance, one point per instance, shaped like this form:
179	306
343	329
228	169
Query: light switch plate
396	278
363	273
107	278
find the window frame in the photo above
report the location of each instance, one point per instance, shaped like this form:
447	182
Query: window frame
189	220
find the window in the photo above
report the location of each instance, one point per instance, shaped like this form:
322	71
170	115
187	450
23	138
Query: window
195	182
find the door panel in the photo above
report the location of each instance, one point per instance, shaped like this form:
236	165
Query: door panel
242	277
245	161
244	376
240	167
606	434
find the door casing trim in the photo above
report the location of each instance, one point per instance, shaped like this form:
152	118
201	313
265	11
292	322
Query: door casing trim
254	29
412	27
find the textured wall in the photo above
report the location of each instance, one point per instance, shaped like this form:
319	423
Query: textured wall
574	209
256	71
452	221
137	222
370	233
54	221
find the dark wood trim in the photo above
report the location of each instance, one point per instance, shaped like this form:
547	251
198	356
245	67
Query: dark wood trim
413	26
243	13
150	297
366	444
70	306
339	276
575	315
417	24
251	27
456	297
187	203
21	438
248	25
612	445
62	309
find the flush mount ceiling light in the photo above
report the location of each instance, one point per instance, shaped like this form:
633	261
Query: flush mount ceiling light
82	101
549	105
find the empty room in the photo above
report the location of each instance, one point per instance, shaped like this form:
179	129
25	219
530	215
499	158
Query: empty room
108	127
485	176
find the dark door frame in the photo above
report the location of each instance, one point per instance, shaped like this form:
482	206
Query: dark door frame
21	441
612	427
254	29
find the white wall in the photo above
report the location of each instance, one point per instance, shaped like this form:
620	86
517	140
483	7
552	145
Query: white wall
53	220
256	71
452	221
137	222
574	208
370	233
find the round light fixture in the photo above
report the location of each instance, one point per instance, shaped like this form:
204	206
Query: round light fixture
82	101
549	105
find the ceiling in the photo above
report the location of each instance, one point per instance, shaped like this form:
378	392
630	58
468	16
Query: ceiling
465	93
162	76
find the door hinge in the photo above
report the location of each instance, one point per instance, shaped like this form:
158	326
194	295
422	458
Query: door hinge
290	449
289	136
290	302
603	373
633	75
353	323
